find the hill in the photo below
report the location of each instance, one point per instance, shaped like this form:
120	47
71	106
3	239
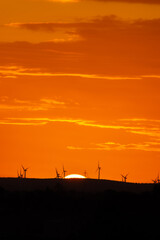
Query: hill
47	209
81	185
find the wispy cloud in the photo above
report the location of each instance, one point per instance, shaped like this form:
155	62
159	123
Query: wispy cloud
79	122
147	127
43	104
52	101
118	1
153	131
15	71
21	123
112	146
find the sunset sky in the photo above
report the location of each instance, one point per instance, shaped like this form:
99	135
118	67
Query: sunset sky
80	83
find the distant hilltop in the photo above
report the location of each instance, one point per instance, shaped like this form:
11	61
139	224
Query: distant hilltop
80	185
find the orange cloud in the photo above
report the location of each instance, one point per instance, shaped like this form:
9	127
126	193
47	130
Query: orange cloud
118	1
111	146
131	2
111	46
151	131
20	71
43	104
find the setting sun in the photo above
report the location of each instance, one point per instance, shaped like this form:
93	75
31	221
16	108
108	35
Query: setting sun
74	176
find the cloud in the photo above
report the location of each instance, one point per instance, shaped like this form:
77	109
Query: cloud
16	71
153	131
112	146
79	122
21	124
52	101
111	22
45	26
112	47
148	127
118	1
43	104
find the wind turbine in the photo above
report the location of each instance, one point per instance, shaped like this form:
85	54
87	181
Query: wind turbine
57	174
99	171
154	181
157	180
24	171
64	172
124	177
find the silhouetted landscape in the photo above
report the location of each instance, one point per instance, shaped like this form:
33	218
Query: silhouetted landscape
79	105
61	212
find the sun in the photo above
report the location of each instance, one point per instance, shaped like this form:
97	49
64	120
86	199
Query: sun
71	176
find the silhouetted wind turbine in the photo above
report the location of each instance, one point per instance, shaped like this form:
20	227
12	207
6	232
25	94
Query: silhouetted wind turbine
157	180
154	181
64	172
99	171
57	174
25	171
124	177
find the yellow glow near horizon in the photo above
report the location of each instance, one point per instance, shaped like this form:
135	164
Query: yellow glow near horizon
74	176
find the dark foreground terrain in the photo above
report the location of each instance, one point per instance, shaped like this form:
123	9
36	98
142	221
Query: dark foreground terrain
60	214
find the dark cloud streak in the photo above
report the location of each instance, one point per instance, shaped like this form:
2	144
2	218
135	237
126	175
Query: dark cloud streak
109	44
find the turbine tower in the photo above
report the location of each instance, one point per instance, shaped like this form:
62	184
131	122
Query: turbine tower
99	171
64	172
24	172
57	174
125	178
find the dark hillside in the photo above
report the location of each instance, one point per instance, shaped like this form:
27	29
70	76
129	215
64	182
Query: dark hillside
59	214
82	185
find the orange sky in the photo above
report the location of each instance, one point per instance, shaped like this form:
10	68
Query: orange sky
80	83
